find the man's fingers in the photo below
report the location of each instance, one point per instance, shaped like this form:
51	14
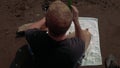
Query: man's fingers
74	8
75	13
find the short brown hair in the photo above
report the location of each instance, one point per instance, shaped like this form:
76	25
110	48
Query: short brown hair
58	18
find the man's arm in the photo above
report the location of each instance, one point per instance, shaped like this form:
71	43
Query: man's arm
39	24
78	30
82	34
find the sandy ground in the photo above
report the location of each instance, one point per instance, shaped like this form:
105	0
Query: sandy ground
14	13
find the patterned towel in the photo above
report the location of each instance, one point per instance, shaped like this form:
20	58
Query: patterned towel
93	53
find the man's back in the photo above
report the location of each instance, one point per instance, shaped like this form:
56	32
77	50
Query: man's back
54	54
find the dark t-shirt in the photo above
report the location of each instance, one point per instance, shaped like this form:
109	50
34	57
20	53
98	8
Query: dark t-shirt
54	54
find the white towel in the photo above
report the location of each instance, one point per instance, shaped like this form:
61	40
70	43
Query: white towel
93	53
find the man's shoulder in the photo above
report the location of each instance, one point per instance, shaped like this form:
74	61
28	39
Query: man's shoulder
74	43
35	35
75	39
35	32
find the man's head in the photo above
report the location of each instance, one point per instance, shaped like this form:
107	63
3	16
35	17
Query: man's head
58	18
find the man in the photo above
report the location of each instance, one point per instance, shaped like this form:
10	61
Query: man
54	49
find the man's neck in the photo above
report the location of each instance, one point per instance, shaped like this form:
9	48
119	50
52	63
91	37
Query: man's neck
59	38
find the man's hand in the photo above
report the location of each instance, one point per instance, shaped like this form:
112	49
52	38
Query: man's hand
78	31
38	24
75	13
41	24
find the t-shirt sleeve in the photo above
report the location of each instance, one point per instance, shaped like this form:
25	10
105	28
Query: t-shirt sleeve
78	48
78	44
34	36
